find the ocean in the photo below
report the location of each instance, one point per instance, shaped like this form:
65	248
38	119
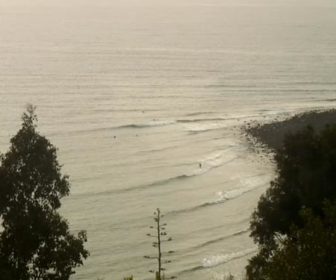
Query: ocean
146	99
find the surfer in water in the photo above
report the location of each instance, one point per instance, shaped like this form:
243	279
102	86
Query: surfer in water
200	165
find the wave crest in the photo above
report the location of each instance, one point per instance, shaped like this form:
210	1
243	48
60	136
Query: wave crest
211	162
216	260
250	184
153	123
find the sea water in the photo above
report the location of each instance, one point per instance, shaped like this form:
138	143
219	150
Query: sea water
145	100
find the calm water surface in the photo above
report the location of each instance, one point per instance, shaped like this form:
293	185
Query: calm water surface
137	94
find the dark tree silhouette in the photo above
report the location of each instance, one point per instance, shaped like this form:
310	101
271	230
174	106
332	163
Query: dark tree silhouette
160	236
35	242
306	167
309	252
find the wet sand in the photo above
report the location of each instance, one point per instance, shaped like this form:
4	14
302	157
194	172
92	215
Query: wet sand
271	135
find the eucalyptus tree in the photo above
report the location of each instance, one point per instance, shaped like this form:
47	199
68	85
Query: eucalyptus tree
35	240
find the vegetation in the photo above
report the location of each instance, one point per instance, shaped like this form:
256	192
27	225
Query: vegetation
160	236
309	252
291	217
294	224
35	242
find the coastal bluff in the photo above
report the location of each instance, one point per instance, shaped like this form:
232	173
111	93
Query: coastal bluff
271	135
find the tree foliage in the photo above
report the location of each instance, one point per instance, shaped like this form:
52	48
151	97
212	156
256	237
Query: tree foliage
309	252
306	168
35	241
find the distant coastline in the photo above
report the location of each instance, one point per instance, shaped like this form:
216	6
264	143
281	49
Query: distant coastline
271	135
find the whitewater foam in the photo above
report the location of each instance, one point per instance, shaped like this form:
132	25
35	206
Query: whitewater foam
249	184
198	127
216	260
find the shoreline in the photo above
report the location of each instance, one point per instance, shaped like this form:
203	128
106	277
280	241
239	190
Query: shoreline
271	135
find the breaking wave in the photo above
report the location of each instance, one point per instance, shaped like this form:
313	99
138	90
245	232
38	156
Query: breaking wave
238	233
201	120
216	260
153	123
213	161
249	184
214	241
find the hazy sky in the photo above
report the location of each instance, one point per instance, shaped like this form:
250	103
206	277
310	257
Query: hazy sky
168	2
